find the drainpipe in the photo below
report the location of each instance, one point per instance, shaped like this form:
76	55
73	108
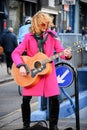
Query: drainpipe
76	23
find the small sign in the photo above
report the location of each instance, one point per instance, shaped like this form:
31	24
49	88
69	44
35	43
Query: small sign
64	75
66	7
68	2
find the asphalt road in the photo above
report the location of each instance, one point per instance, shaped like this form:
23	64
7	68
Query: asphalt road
10	113
10	100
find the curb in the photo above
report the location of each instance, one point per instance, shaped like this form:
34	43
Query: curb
6	80
4	77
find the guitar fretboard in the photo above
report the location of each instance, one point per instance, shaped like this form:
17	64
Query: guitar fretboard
52	58
77	45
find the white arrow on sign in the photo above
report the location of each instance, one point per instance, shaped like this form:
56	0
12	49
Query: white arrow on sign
60	78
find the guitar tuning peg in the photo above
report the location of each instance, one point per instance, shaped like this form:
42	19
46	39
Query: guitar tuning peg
68	47
74	43
80	50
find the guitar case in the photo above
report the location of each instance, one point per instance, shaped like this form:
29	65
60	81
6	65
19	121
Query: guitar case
41	125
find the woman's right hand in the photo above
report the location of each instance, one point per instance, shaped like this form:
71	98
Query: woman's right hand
23	71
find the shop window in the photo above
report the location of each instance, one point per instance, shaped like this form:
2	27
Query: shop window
30	9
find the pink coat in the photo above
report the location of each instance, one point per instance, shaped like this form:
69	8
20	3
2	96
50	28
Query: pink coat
48	84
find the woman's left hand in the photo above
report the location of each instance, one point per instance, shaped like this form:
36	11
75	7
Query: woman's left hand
67	53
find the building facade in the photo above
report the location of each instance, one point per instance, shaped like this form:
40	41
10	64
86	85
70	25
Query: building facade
72	13
17	11
3	15
13	13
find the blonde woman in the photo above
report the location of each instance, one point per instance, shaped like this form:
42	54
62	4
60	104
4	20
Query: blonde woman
40	39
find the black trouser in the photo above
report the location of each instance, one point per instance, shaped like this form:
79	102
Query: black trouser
9	61
53	110
26	111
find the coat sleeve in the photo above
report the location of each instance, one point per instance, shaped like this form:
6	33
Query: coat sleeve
18	51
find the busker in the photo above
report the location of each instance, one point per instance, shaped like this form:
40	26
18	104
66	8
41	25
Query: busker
40	39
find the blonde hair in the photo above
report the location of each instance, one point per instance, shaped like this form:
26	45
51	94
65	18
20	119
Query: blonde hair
39	18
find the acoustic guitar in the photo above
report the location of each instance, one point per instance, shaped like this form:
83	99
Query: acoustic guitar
38	66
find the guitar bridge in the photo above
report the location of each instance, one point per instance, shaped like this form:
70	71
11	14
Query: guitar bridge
35	71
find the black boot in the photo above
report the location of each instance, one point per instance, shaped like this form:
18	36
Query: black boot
25	107
53	112
25	116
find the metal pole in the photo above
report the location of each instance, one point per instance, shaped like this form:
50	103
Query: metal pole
77	102
76	99
76	96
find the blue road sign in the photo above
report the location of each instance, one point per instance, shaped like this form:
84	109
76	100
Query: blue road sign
64	75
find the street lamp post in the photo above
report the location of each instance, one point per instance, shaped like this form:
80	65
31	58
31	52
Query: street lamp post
38	5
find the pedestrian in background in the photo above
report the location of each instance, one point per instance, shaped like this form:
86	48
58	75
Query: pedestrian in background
40	40
69	29
9	43
24	29
84	35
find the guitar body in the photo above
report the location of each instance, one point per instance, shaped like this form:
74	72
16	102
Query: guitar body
36	70
39	65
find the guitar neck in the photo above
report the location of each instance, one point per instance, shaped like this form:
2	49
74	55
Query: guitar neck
76	47
52	58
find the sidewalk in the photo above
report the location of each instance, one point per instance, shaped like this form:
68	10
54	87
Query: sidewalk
13	120
4	77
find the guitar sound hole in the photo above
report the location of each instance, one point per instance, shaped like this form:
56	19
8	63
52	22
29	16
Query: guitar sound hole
37	65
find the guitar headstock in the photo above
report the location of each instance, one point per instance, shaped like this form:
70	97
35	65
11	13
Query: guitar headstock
76	47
